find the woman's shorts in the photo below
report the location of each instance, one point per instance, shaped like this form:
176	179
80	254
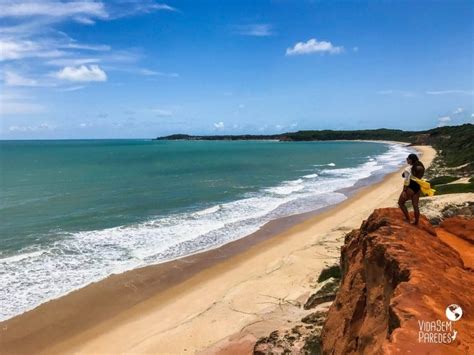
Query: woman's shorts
414	186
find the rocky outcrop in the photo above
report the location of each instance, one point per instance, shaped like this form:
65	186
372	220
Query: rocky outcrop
397	279
304	336
441	207
461	227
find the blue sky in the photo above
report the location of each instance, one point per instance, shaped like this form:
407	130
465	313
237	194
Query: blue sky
126	68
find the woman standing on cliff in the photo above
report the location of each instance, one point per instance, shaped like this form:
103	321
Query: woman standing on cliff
412	189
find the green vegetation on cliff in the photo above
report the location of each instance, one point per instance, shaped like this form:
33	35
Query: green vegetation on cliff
441	180
454	188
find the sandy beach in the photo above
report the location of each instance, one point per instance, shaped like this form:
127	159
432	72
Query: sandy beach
200	303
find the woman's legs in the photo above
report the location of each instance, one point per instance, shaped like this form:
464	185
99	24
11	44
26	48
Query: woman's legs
414	200
406	195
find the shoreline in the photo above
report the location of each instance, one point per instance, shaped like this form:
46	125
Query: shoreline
155	286
270	228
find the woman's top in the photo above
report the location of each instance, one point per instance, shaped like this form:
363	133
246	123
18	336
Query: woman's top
409	175
406	175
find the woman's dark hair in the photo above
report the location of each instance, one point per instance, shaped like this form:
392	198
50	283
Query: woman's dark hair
413	158
416	166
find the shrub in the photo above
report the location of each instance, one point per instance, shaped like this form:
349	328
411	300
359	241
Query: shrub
454	188
440	180
330	271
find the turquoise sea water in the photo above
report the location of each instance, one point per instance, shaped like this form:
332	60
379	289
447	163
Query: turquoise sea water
73	212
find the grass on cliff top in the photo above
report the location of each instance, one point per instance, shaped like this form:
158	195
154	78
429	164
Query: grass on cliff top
442	185
440	180
454	188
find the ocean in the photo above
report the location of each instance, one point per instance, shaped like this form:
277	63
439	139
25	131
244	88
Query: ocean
75	211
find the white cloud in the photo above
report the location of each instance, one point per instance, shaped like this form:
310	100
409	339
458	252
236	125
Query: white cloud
84	20
27	45
84	10
15	50
281	127
28	30
18	108
72	62
19	49
256	30
162	113
15	79
72	88
403	93
82	73
458	116
149	72
21	28
141	7
219	125
451	92
443	121
89	47
41	127
161	7
17	103
314	46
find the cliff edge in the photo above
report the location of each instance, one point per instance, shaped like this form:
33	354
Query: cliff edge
397	281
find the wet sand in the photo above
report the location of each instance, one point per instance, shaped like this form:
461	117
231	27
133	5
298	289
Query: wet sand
193	303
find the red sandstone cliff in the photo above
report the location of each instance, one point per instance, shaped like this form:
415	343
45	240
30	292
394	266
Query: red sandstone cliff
395	275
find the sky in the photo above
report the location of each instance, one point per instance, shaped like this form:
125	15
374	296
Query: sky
141	69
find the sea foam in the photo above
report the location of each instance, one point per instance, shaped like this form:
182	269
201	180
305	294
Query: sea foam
35	276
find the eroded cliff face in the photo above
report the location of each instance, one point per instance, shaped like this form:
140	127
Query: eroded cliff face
397	278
